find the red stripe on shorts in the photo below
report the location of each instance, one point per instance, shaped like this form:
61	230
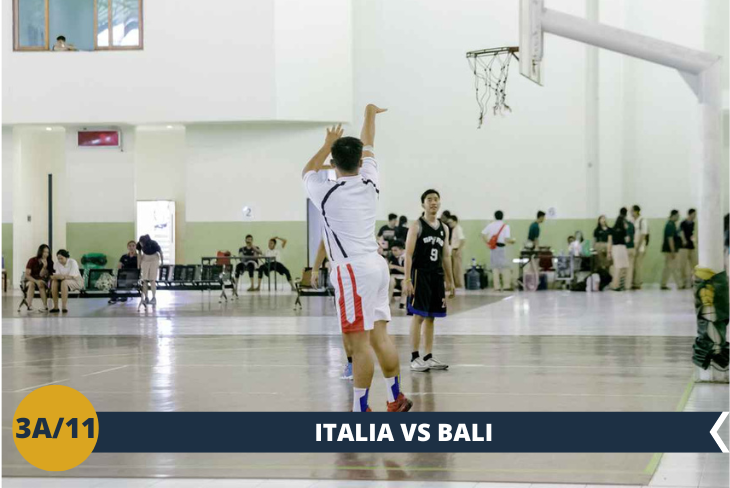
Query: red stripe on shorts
359	324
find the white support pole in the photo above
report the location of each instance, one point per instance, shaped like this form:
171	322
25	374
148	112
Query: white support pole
626	42
689	62
701	70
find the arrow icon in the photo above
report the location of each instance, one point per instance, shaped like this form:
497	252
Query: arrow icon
714	430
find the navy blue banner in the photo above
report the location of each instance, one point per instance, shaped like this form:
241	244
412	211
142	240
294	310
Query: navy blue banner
413	432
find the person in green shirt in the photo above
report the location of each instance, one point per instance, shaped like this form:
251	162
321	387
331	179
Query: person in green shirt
670	246
533	235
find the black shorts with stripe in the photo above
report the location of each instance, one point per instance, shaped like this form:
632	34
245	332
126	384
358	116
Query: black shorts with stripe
429	295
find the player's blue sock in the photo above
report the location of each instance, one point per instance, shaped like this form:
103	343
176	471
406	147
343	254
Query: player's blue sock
360	399
393	387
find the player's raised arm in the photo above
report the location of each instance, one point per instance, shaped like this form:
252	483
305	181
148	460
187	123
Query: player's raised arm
367	136
318	160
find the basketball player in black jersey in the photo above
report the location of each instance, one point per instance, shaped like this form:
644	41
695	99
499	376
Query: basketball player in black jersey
429	278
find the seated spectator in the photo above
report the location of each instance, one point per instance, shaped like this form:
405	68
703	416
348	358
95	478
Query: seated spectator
397	265
149	261
401	232
37	273
127	261
61	45
66	277
387	232
575	247
276	267
249	250
571	239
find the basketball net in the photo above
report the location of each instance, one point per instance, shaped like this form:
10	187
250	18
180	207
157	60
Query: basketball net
491	71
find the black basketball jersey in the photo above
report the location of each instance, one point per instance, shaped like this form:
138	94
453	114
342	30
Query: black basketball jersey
429	251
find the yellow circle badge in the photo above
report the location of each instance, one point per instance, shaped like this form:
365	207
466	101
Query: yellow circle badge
55	428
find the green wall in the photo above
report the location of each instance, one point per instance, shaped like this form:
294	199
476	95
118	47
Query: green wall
206	238
8	251
108	238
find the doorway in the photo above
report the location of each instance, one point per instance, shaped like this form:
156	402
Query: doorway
157	218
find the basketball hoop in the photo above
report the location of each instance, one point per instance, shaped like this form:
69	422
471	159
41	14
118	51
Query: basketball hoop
491	70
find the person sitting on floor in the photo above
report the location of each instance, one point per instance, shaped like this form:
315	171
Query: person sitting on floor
37	273
66	277
127	261
249	250
276	266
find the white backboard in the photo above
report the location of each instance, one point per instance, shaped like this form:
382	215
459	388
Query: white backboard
531	39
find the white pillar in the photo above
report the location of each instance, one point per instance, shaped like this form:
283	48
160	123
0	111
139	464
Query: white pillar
709	213
593	189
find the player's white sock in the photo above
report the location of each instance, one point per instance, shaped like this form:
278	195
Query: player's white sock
360	399
393	387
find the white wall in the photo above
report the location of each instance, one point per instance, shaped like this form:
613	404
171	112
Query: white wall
531	158
159	173
37	153
313	60
212	63
257	165
102	179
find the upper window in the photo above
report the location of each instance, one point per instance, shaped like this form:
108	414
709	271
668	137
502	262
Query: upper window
77	25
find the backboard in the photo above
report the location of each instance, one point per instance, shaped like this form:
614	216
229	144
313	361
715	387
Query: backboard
531	39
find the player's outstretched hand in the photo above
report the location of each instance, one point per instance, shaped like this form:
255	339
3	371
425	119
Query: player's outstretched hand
375	109
333	134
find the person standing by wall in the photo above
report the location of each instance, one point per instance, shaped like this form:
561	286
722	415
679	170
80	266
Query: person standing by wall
687	253
458	241
496	236
641	243
630	248
401	232
149	261
601	235
670	246
617	239
533	235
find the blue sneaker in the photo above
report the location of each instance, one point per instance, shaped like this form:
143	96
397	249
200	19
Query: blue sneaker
347	374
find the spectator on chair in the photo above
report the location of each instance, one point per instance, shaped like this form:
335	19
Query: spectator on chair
277	266
127	261
458	241
149	261
575	248
66	277
401	232
37	273
249	252
387	232
397	266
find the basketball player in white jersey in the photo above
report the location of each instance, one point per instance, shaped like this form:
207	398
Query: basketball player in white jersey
359	274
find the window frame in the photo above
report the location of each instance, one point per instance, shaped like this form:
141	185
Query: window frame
111	46
16	30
